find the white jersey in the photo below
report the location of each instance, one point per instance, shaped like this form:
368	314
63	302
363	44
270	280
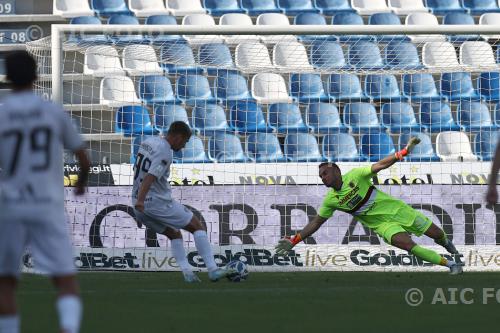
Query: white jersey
33	133
154	157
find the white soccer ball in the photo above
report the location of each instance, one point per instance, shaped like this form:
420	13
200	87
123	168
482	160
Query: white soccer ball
241	268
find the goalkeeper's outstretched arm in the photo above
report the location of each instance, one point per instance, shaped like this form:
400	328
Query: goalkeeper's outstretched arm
286	244
398	156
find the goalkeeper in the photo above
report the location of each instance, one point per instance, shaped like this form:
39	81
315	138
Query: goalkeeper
390	218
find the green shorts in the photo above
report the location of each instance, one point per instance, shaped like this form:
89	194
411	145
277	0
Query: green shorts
418	228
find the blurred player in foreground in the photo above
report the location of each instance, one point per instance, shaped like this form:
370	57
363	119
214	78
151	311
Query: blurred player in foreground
492	194
33	133
390	218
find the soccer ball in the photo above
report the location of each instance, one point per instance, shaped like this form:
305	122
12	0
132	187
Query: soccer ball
241	268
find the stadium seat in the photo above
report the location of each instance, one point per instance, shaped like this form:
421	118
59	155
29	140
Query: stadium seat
275	19
307	88
102	60
478	7
194	89
106	8
295	7
71	8
401	55
264	148
348	18
216	57
436	117
327	55
361	117
140	60
474	116
405	7
166	114
193	152
368	7
420	87
383	88
302	147
454	146
399	117
232	87
221	7
477	54
133	120
426	19
423	152
185	7
442	7
122	19
485	144
247	117
291	56
376	146
156	89
241	20
85	39
116	91
458	18
145	8
332	7
158	38
257	7
200	19
489	86
209	119
324	118
310	19
490	19
364	55
458	86
252	57
178	58
340	147
497	115
226	148
439	55
386	19
286	118
270	88
345	88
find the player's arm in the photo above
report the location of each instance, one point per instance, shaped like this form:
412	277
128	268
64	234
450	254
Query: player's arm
398	156
83	176
286	244
492	195
143	191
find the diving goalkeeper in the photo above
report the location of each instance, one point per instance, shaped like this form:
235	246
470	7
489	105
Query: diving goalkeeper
390	218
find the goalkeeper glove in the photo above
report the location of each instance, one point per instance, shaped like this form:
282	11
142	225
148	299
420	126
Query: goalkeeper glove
406	150
286	244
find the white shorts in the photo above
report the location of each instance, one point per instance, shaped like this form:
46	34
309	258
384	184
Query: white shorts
46	239
174	215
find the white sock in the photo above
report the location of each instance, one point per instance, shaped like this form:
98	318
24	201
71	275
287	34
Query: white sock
69	308
9	324
204	249
180	254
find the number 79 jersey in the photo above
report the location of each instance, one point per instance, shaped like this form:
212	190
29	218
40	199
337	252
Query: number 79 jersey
154	157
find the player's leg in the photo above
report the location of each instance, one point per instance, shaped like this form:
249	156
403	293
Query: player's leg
179	253
9	319
440	238
68	304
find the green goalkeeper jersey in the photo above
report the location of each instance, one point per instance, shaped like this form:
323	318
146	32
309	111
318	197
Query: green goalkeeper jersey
360	198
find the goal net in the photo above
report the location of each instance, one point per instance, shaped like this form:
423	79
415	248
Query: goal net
265	110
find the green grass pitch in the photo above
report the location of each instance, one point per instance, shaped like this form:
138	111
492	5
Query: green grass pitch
268	302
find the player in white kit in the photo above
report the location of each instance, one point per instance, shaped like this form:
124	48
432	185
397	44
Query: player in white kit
33	133
155	207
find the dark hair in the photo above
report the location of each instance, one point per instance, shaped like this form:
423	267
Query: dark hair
21	68
180	127
330	164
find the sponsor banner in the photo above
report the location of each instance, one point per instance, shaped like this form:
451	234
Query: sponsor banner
307	173
100	175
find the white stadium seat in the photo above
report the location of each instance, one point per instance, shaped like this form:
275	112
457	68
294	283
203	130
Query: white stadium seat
252	57
439	54
102	60
71	8
116	91
268	88
274	19
426	19
185	7
237	19
145	8
477	54
200	19
291	56
405	7
454	146
368	7
490	19
140	60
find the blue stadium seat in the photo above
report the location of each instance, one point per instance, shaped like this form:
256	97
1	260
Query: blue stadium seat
364	55
166	114
361	117
123	19
294	7
286	118
107	8
345	88
193	152
163	20
327	55
442	7
324	118
376	146
194	89
226	148
178	58
232	87
474	116
489	86
340	147
133	120
383	88
386	19
436	117
86	39
302	147
478	7
264	148
221	7
209	119
399	117
332	7
156	89
257	7
485	144
216	57
423	152
458	18
458	86
307	88
401	55
497	115
310	19
420	87
248	117
346	18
